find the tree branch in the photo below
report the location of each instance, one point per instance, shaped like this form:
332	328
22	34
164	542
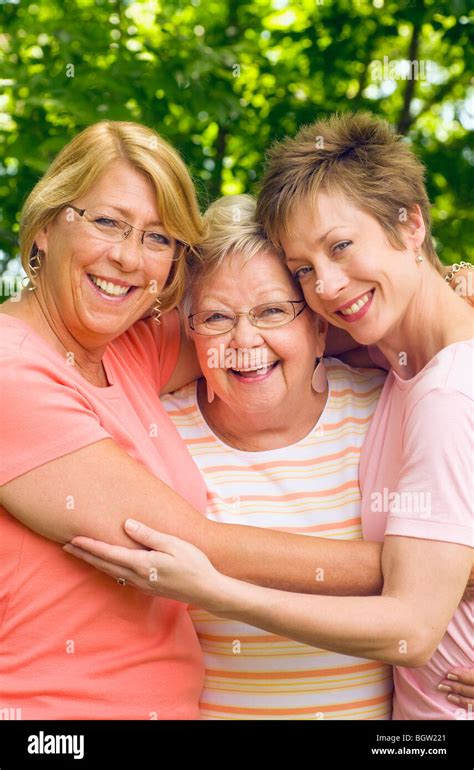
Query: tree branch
405	120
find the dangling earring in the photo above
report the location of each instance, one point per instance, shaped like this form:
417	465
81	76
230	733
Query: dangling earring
419	258
156	312
34	264
319	380
210	393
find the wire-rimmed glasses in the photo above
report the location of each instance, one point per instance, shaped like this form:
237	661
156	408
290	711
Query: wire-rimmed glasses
113	230
270	315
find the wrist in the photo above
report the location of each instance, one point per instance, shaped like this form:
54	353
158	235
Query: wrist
223	601
451	270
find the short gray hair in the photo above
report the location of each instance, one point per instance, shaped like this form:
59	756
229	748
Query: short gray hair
231	229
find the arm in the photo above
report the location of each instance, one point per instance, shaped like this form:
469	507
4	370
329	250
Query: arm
187	367
424	582
107	485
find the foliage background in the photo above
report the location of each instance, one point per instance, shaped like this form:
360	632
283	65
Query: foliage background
222	80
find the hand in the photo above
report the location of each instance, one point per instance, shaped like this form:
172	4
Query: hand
461	689
173	568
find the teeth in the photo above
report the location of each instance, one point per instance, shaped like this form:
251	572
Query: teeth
109	288
260	370
356	306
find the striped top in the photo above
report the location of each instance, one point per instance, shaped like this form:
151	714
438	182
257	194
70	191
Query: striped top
312	488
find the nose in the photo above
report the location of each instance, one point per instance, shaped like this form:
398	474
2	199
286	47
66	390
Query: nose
244	334
127	253
331	280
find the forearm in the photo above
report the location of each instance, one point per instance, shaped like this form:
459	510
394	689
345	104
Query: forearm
93	491
297	563
424	582
377	627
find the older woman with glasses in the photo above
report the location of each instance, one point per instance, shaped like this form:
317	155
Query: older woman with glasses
276	430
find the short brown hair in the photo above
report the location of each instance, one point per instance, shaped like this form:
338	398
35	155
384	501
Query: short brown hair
357	155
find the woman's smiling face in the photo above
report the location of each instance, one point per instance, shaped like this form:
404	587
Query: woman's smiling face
79	264
348	270
287	352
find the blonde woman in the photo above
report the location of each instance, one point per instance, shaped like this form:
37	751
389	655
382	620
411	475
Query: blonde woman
351	214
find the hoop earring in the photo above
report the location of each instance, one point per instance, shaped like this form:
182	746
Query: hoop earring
156	312
34	265
319	380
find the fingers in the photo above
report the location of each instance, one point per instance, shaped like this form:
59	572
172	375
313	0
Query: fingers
153	539
111	554
459	686
100	564
463	675
460	700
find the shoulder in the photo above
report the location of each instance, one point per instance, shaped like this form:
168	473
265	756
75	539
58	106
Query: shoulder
14	334
439	412
445	386
363	382
27	357
146	337
151	348
182	401
451	370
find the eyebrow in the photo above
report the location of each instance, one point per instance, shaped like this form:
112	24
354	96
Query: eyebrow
321	239
126	213
274	290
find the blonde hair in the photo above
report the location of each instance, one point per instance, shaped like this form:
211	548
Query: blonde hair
85	158
231	229
357	155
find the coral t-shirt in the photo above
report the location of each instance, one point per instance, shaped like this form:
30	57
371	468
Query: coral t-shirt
74	644
417	472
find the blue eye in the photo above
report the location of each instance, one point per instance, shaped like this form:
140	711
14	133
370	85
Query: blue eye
302	272
341	246
158	238
271	311
106	222
215	317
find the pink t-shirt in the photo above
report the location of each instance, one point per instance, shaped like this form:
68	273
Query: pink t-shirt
417	476
73	644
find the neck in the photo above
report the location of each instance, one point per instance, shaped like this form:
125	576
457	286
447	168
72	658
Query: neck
263	430
35	310
436	317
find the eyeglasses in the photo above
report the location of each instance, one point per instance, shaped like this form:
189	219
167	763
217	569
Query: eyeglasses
271	315
113	230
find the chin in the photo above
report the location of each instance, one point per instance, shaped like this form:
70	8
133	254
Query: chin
108	327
